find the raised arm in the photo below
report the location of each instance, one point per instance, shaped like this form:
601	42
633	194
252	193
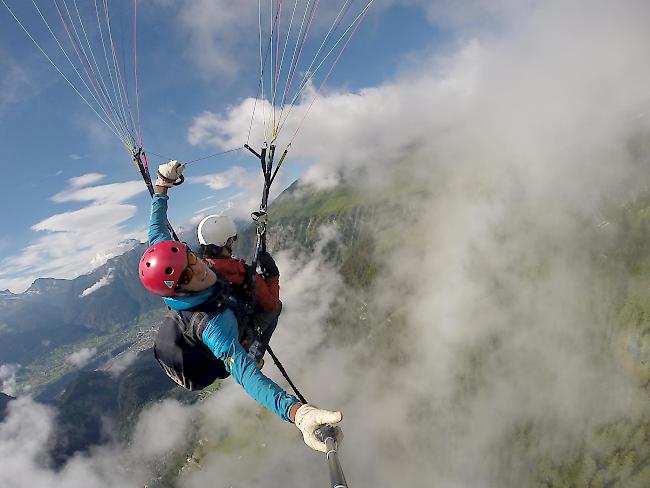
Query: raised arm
168	173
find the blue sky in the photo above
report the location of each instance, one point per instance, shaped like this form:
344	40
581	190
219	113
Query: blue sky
195	60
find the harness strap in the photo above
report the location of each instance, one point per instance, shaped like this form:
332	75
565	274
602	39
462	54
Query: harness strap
278	364
197	324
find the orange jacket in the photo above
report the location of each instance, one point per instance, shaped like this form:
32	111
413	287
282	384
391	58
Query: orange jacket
267	292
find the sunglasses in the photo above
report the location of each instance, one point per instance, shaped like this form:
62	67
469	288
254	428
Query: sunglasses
188	273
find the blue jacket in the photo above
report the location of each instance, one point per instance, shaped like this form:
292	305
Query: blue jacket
221	332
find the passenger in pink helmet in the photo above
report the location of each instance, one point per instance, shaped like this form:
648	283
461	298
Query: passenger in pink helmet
198	341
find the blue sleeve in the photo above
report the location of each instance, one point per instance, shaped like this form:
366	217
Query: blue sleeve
158	230
220	335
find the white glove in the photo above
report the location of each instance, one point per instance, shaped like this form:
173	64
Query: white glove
169	172
309	418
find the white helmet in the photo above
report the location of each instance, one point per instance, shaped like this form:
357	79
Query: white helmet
216	229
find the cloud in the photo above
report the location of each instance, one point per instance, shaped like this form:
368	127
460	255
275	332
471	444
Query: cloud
77	241
246	183
310	289
84	180
80	358
470	16
217	30
8	378
223	37
23	437
235	176
204	211
103	281
484	349
26	432
103	194
462	92
15	84
121	362
342	125
150	440
86	218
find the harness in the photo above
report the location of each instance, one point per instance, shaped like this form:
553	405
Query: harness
179	349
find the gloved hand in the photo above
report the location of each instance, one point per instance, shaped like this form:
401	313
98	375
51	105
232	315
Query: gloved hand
169	172
309	418
269	268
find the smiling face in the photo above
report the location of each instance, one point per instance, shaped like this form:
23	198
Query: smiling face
202	278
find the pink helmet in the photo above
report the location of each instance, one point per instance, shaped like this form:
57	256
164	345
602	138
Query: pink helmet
161	266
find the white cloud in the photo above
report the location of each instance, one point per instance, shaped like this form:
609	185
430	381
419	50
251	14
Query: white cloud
103	281
81	357
120	363
341	126
486	320
235	176
217	30
8	378
310	286
103	194
248	185
224	36
77	241
484	93
204	211
86	219
151	441
85	180
99	134
25	436
16	84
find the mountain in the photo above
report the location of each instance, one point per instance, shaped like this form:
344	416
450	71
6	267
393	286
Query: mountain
108	298
29	329
298	215
54	316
